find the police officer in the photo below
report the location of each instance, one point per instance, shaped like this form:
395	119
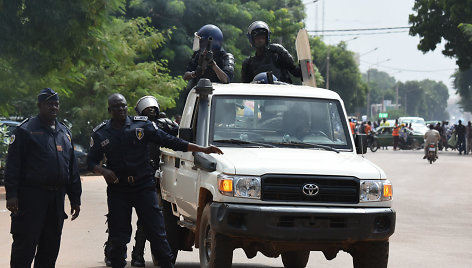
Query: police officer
147	106
268	57
41	168
215	64
130	177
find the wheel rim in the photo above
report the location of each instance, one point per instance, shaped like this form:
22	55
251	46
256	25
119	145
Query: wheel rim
207	242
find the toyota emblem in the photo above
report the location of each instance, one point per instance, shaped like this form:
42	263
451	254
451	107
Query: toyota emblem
310	189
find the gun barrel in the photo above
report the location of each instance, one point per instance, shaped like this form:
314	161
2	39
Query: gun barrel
210	40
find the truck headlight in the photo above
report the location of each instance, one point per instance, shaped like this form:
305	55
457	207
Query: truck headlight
240	186
375	190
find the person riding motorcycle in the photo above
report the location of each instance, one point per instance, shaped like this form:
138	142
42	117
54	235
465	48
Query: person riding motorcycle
431	136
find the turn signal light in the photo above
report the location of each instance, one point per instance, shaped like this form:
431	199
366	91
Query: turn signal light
225	185
387	190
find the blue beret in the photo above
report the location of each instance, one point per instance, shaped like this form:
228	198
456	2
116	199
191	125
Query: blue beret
47	94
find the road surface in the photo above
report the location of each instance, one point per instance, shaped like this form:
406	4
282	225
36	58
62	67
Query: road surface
433	204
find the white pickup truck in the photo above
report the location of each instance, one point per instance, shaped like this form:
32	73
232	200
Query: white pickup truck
290	181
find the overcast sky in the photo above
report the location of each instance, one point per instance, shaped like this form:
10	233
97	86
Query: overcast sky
406	61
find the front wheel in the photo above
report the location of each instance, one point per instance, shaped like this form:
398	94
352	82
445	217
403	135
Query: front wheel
370	254
295	259
216	250
374	146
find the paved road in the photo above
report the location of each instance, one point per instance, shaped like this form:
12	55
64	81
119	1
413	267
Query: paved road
434	219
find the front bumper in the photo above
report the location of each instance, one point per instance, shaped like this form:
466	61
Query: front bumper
302	223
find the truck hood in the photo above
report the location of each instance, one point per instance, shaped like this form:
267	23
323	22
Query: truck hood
259	161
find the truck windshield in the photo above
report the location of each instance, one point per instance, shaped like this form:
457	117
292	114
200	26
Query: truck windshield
278	121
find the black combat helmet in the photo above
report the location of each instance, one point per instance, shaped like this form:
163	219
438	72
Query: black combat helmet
258	28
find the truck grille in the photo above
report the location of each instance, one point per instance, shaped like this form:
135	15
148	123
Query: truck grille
332	189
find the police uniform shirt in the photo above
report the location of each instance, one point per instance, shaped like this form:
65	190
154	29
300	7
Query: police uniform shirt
126	149
40	156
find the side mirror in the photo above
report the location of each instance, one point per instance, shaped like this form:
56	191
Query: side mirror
361	143
186	134
204	161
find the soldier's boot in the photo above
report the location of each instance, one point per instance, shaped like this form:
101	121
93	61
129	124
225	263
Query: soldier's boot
137	257
138	250
106	251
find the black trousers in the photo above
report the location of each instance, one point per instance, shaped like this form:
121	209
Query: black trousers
37	228
120	204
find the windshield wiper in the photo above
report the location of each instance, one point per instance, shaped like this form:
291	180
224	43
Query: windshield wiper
234	141
310	145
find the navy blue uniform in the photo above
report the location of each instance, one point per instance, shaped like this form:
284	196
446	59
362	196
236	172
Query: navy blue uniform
127	155
41	168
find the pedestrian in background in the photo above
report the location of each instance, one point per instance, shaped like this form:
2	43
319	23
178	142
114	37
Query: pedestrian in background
469	138
41	169
460	131
123	140
396	135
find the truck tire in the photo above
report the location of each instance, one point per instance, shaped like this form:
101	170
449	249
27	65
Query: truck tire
370	255
295	259
215	249
172	229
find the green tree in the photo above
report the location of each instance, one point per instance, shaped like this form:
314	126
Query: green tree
344	74
115	55
463	86
435	20
427	99
381	85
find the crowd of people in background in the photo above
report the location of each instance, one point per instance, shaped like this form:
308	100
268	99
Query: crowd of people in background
452	136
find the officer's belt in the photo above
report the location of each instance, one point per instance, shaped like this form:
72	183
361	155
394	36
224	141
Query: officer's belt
131	179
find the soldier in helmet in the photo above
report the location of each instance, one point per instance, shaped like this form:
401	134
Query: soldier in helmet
215	63
268	57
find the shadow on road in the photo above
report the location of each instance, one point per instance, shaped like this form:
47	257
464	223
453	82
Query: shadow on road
196	265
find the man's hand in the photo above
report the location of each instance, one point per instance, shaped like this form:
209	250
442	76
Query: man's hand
74	211
212	150
109	175
12	205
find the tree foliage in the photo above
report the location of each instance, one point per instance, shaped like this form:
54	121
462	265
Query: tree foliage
113	54
436	20
424	98
344	75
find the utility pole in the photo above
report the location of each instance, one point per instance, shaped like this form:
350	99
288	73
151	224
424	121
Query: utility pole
396	96
327	70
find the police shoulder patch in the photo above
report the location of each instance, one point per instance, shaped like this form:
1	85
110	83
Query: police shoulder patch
12	139
140	118
100	125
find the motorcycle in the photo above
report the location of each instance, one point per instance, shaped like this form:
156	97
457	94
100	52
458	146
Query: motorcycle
432	153
373	142
409	144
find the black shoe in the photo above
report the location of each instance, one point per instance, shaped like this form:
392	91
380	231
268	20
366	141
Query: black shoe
137	261
107	262
424	157
106	252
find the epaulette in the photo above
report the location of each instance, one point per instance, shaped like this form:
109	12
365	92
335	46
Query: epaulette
100	125
64	124
24	121
140	118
